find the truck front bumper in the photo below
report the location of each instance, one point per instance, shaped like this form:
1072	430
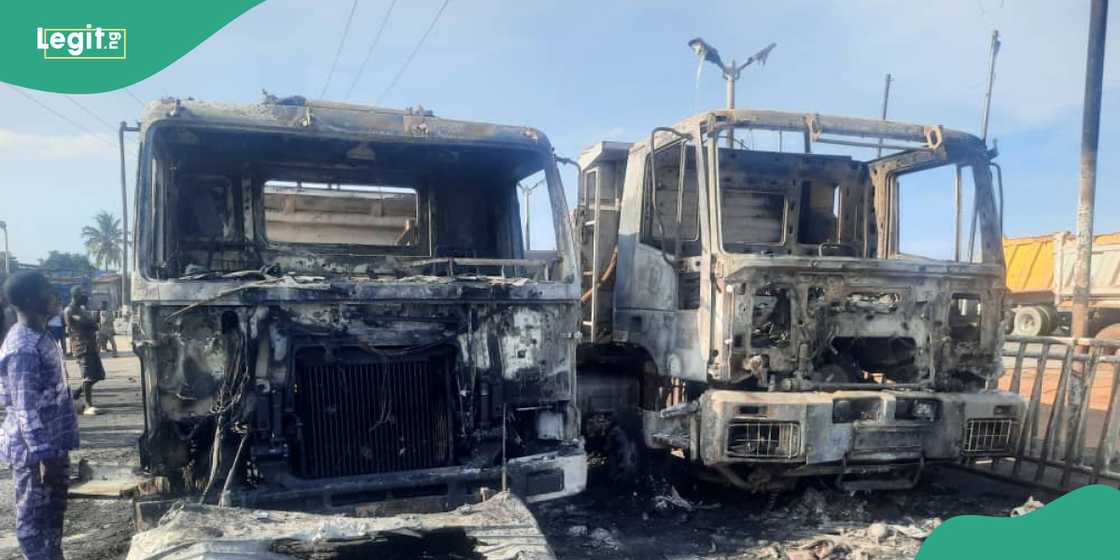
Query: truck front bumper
816	430
533	478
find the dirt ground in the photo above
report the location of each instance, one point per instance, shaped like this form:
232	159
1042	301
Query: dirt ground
680	518
670	517
95	529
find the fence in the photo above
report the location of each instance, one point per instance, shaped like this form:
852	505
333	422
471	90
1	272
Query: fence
1069	432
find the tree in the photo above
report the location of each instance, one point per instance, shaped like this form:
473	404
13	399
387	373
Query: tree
103	240
76	262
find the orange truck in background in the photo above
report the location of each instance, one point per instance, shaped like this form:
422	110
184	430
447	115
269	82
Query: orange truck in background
1040	283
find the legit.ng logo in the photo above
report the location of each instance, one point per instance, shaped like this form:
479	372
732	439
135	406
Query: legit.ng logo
88	43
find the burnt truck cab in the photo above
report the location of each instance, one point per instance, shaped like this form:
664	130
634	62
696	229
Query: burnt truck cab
757	308
335	306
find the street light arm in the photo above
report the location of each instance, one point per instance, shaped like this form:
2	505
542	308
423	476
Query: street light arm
527	189
759	57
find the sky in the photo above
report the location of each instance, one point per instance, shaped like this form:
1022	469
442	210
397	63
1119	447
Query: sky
586	71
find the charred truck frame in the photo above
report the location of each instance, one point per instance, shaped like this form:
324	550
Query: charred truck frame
335	307
754	308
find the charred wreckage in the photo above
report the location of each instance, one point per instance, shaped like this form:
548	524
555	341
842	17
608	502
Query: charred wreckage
773	313
335	306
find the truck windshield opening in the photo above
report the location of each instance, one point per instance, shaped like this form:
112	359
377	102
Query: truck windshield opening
371	215
229	201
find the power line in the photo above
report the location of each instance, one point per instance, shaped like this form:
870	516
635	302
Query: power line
72	122
89	112
341	42
369	53
133	96
412	55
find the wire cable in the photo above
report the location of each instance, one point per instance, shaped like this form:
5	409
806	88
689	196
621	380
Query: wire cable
133	96
412	55
90	112
372	45
338	53
72	122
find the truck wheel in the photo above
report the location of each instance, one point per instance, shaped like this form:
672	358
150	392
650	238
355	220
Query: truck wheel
1111	332
1050	319
1031	321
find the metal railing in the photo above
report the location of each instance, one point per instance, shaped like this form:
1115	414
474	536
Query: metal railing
1070	430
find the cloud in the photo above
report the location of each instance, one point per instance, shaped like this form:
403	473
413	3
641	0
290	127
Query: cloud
20	146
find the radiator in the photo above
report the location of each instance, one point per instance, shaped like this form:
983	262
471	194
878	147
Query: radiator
989	435
763	440
362	413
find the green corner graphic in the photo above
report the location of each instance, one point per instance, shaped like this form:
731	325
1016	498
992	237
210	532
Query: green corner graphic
106	45
1080	524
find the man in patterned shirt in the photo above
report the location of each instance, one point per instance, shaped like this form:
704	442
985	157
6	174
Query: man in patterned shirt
40	426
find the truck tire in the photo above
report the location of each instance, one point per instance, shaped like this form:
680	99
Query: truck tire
1032	320
1111	332
1051	319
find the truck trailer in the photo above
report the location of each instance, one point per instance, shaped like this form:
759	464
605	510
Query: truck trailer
755	310
1040	273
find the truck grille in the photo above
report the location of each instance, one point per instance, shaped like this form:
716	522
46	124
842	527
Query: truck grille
361	414
764	440
989	435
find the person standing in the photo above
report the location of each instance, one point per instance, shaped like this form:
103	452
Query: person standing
83	345
39	428
106	337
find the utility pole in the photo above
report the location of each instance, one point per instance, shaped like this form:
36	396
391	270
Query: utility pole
886	98
1086	194
125	300
7	255
991	82
984	135
528	191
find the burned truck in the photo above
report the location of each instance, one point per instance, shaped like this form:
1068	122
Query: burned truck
771	314
335	306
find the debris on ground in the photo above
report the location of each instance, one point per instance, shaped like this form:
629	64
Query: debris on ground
577	531
878	532
500	528
815	522
822	548
665	502
917	531
1030	505
603	538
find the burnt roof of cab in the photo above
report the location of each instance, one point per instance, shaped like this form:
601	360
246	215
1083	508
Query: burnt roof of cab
827	125
326	118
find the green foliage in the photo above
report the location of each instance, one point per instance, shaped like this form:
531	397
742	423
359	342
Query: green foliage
103	240
76	262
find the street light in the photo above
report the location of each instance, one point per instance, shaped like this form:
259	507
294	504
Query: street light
528	191
7	255
731	71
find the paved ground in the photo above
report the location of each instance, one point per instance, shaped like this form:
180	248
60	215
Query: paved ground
95	529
